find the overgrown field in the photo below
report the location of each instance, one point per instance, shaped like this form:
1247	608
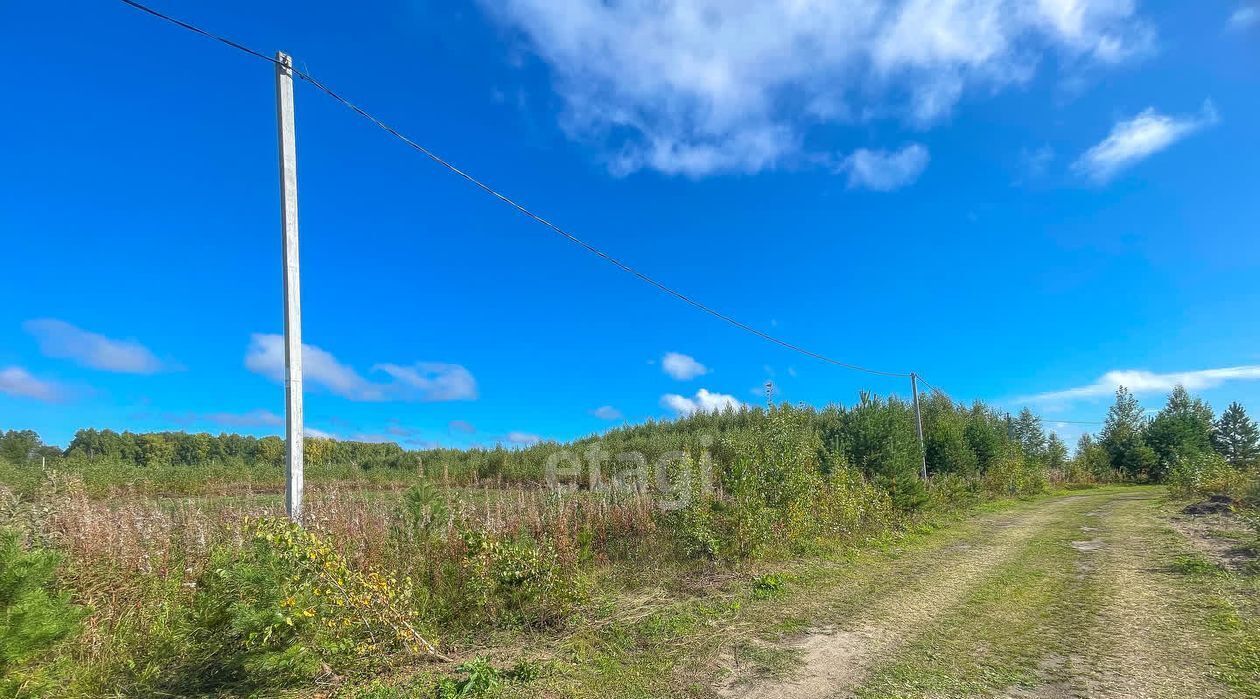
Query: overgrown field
126	570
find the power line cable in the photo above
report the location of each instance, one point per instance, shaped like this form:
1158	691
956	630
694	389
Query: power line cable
513	203
929	385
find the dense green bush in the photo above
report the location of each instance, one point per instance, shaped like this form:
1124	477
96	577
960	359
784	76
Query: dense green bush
1199	473
288	607
34	614
520	581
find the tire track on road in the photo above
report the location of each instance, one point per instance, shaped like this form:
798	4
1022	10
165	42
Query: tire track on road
837	658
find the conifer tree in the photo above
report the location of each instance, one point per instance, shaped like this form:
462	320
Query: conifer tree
1182	429
1237	438
1056	453
1122	437
1029	434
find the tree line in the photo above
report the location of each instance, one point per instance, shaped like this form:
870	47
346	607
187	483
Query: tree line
192	449
875	436
1184	431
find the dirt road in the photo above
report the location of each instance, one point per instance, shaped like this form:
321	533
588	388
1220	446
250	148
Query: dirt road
1088	595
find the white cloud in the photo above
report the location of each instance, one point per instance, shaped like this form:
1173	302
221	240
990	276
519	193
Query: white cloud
696	87
606	412
523	439
1138	138
424	381
703	401
62	340
883	170
319	368
434	381
313	433
1245	17
16	381
1141	382
682	367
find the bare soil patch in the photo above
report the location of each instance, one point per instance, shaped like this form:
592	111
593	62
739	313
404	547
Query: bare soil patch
1220	537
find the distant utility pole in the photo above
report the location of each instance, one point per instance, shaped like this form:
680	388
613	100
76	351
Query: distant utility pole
292	289
918	424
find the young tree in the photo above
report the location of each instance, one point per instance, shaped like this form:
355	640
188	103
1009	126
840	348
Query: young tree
1029	434
879	439
1182	428
986	434
1091	460
1056	453
945	437
1122	437
1237	438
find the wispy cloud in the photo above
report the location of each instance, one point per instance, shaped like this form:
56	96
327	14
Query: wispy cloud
1033	163
1136	139
884	170
400	430
423	381
682	367
462	426
696	87
606	412
62	340
18	382
1245	17
522	439
1142	382
412	437
253	418
703	401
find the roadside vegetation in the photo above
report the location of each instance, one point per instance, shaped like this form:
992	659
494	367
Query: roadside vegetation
160	564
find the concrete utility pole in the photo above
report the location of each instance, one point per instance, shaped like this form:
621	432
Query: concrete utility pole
292	289
918	424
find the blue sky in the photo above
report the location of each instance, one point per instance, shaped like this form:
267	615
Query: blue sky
1024	201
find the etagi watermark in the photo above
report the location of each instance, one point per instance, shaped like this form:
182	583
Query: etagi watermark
673	479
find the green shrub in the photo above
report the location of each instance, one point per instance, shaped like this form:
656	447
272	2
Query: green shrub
1012	474
520	581
34	615
693	528
1207	473
770	475
951	491
847	503
769	586
481	677
289	607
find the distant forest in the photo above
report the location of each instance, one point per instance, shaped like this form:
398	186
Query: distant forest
875	436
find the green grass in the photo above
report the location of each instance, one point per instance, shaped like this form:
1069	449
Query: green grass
680	649
1226	603
1010	631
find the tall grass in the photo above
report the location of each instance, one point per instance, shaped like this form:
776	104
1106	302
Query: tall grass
193	584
